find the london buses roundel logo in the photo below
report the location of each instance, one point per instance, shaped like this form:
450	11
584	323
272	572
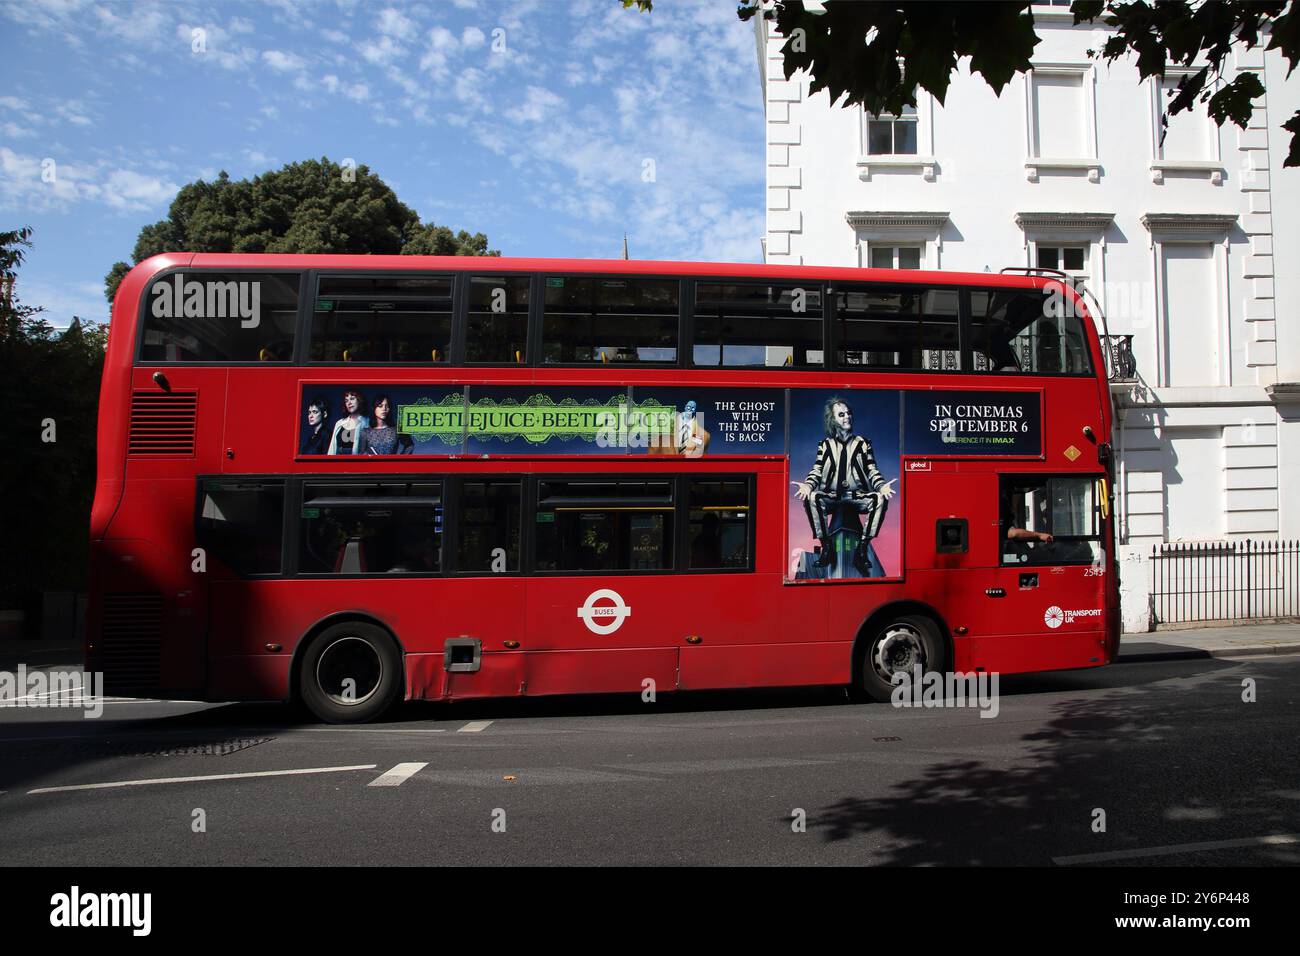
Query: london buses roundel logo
1053	617
604	618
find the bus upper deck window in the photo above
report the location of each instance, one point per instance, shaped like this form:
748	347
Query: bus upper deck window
1034	331
192	316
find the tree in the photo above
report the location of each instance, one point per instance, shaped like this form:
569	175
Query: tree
877	54
50	393
316	206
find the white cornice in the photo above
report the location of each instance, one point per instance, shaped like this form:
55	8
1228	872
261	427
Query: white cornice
1188	223
913	220
1089	223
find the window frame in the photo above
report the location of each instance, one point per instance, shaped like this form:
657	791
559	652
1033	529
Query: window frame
317	275
294	485
142	318
299	485
460	326
1048	477
537	319
822	286
914	120
834	339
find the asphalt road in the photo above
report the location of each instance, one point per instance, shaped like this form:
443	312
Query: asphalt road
1168	750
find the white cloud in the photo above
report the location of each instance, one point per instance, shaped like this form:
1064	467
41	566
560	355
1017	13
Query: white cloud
472	38
394	24
126	189
537	103
283	62
382	52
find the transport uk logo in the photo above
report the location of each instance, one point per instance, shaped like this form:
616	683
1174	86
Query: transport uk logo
604	618
1054	617
192	299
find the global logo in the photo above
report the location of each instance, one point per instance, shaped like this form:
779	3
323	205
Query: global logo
605	618
1053	617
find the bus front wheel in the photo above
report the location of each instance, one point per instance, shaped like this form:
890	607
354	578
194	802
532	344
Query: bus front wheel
350	673
901	646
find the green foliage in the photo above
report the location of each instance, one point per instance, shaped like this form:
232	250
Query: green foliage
431	240
315	206
876	54
1184	34
49	377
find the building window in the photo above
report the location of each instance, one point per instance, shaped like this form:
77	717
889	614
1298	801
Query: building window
1072	260
1187	136
1058	103
896	257
892	135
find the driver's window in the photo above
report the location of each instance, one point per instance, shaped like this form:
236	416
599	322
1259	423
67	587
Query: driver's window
1049	520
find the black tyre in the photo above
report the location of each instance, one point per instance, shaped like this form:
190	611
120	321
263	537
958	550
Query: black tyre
899	646
350	673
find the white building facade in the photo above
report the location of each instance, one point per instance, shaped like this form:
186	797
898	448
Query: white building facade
1192	247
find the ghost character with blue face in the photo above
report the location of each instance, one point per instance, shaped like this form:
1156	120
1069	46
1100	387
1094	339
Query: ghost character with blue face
692	439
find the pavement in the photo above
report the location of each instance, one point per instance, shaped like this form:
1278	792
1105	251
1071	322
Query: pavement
1242	640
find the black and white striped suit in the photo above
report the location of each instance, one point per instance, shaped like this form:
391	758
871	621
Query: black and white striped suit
845	473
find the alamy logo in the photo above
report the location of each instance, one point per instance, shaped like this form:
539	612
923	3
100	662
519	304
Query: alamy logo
606	618
74	909
1054	617
178	298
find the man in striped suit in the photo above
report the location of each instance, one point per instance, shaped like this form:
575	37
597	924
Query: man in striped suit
844	475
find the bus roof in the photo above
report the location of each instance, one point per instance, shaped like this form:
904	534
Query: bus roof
746	270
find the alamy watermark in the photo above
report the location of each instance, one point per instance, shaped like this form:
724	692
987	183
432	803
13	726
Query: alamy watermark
83	690
932	689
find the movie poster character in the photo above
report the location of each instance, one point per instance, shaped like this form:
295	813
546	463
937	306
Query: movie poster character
845	497
380	437
316	433
692	437
343	437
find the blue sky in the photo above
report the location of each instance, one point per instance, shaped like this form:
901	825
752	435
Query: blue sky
537	122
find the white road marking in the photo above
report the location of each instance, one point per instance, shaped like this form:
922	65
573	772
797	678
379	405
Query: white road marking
199	779
398	775
1278	839
474	726
364	730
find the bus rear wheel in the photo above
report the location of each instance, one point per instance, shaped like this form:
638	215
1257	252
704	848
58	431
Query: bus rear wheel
900	646
350	673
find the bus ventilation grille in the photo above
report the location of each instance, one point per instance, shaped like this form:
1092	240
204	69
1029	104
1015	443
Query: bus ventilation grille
162	423
130	646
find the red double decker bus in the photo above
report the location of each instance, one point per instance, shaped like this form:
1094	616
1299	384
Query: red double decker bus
350	480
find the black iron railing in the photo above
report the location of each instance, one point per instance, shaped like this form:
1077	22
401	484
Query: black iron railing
1225	580
1122	366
